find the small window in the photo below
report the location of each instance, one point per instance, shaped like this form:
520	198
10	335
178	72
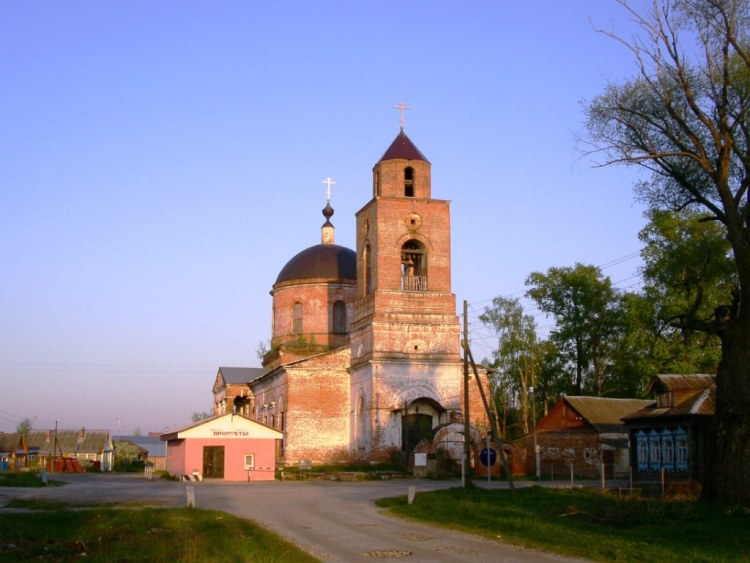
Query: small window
297	318
367	266
339	317
409	182
249	461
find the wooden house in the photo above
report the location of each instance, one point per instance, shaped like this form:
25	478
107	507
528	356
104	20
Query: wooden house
670	433
87	447
12	451
584	433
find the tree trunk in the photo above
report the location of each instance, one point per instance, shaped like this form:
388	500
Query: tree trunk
727	459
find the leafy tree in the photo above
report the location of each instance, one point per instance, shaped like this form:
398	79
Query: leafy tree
264	347
585	308
196	416
517	354
125	453
25	426
685	119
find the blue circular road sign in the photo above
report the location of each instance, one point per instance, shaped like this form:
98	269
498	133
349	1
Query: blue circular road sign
488	457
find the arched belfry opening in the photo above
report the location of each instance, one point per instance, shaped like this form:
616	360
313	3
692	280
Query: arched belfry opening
409	182
413	266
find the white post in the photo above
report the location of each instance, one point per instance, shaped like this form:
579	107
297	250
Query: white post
571	474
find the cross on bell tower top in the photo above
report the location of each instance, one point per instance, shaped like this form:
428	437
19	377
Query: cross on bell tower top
402	107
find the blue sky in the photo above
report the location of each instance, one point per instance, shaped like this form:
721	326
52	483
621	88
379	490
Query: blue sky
161	161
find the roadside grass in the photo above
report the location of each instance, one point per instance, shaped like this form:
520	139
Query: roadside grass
26	479
586	523
143	534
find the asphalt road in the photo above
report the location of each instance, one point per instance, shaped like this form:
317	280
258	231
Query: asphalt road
335	521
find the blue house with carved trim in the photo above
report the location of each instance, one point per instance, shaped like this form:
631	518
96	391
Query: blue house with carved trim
670	434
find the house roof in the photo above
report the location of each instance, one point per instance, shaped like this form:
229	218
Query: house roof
152	444
681	382
257	429
70	441
603	413
10	442
240	375
695	396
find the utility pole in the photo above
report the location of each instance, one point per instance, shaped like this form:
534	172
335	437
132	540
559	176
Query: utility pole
536	446
467	427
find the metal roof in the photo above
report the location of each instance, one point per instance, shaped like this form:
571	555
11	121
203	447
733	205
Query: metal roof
697	397
70	441
322	261
681	382
241	375
605	414
403	148
152	444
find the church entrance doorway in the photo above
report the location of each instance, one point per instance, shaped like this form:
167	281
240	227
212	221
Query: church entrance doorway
415	428
213	462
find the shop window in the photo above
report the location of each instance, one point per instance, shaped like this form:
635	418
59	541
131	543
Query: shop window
249	461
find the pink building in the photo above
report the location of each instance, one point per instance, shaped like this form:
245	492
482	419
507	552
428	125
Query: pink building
230	447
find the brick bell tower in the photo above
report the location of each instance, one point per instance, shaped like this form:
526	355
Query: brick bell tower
405	337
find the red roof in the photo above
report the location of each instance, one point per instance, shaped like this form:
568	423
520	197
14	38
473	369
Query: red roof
403	148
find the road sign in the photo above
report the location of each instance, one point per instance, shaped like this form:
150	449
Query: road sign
488	457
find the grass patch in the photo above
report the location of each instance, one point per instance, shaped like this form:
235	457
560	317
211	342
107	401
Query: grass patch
26	479
585	523
147	534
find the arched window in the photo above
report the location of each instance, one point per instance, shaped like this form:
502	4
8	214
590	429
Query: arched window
297	318
409	181
339	317
413	266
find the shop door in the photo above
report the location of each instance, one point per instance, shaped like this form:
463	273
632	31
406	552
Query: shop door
213	462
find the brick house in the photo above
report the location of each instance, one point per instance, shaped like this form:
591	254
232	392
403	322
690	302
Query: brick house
582	431
365	346
670	433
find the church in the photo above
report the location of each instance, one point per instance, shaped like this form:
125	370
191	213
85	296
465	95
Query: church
364	356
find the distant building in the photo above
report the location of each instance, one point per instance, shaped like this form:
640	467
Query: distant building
40	447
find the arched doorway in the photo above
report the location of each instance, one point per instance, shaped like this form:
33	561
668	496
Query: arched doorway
418	421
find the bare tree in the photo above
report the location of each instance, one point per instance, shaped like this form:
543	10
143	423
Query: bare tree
685	118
